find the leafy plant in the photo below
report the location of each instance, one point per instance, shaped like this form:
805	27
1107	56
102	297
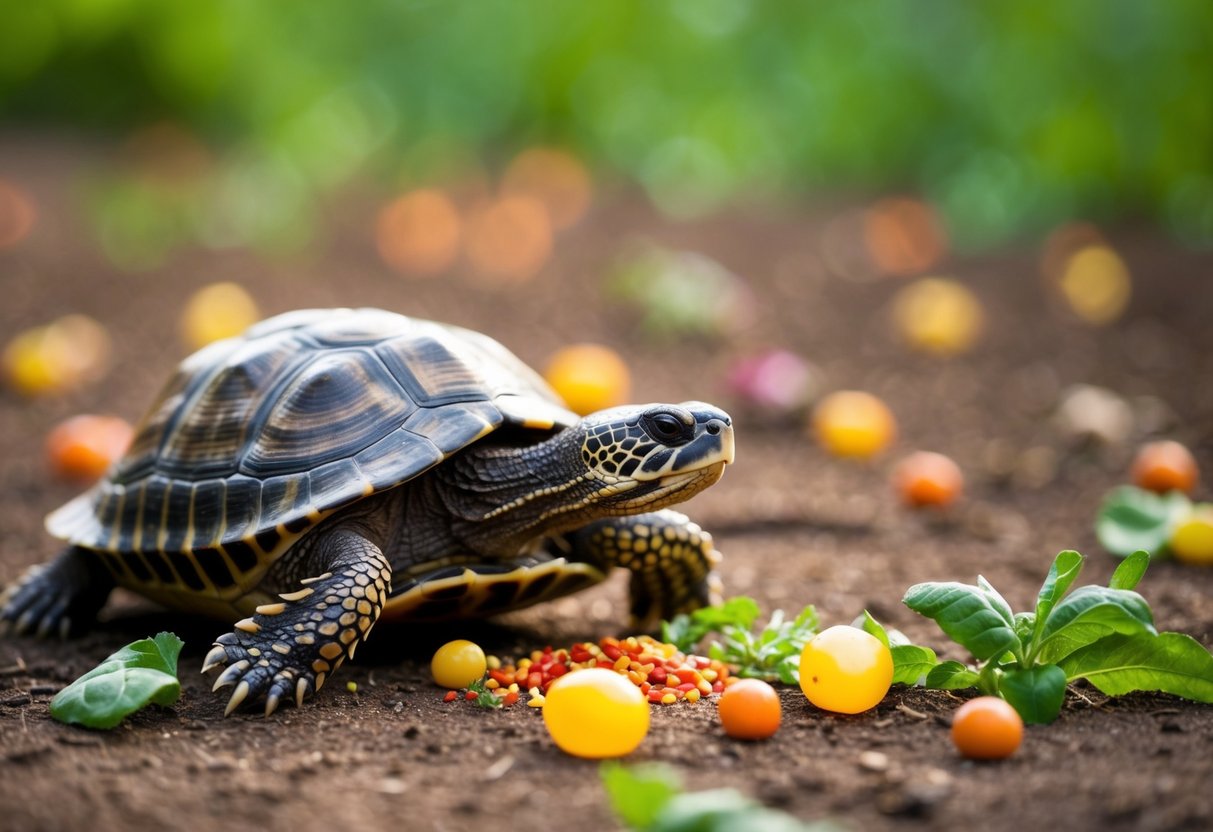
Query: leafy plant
911	662
1131	518
771	653
485	698
1105	635
139	674
650	799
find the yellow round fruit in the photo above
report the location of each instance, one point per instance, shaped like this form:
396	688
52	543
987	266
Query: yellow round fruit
458	664
938	316
589	377
596	713
215	312
1192	540
852	423
845	670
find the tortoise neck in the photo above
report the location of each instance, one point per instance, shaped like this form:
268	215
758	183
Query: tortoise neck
503	494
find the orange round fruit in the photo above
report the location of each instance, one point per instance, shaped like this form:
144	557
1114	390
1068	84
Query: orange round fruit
83	447
925	478
589	377
1164	466
749	710
986	728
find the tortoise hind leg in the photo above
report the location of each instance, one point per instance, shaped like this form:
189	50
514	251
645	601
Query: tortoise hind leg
62	596
671	560
290	648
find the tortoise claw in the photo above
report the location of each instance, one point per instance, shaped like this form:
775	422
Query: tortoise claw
216	657
229	677
238	695
301	690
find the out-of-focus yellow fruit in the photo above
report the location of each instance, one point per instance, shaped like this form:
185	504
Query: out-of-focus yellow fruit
1096	284
56	357
938	316
589	377
1192	540
215	312
852	423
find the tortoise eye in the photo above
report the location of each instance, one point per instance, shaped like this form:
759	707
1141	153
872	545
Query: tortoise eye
664	427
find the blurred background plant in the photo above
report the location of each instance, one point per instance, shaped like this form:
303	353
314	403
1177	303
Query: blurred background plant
1008	118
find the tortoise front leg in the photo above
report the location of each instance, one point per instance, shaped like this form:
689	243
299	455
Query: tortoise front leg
291	647
62	597
670	557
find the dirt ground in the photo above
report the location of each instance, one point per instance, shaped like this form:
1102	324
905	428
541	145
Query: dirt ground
795	526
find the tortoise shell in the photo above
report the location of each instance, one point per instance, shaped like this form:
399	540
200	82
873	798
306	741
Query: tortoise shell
256	439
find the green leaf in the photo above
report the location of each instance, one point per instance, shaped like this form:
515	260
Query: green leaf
1132	518
971	616
773	653
1062	573
1036	693
1169	662
139	674
727	810
637	794
912	663
951	676
870	625
686	631
1130	571
1089	614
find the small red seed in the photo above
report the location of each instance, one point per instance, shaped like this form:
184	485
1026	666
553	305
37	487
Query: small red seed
451	696
510	698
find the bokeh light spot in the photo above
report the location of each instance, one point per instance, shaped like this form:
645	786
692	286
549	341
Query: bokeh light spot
939	316
904	236
509	239
17	215
217	311
1096	285
418	233
556	178
57	357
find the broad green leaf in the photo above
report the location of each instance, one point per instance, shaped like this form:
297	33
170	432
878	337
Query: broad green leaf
973	618
870	625
1130	571
1132	518
637	794
139	674
997	602
1169	662
1062	573
1037	692
1088	614
951	676
912	663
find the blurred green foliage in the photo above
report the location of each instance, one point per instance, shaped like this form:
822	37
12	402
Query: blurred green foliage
1011	116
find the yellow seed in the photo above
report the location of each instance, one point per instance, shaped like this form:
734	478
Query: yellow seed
352	687
709	675
535	702
535	691
704	687
493	663
635	678
513	688
693	695
669	699
621	664
492	684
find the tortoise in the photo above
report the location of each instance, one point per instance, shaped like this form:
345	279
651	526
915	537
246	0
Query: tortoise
331	467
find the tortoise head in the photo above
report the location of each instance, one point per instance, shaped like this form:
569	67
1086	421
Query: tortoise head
641	458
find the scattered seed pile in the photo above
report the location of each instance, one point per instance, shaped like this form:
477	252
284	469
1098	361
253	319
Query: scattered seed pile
663	673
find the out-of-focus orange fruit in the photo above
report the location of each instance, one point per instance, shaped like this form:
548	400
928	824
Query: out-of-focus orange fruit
510	239
1163	466
925	478
83	447
904	236
418	233
554	177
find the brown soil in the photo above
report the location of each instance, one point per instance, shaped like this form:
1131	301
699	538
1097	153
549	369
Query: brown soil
796	527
